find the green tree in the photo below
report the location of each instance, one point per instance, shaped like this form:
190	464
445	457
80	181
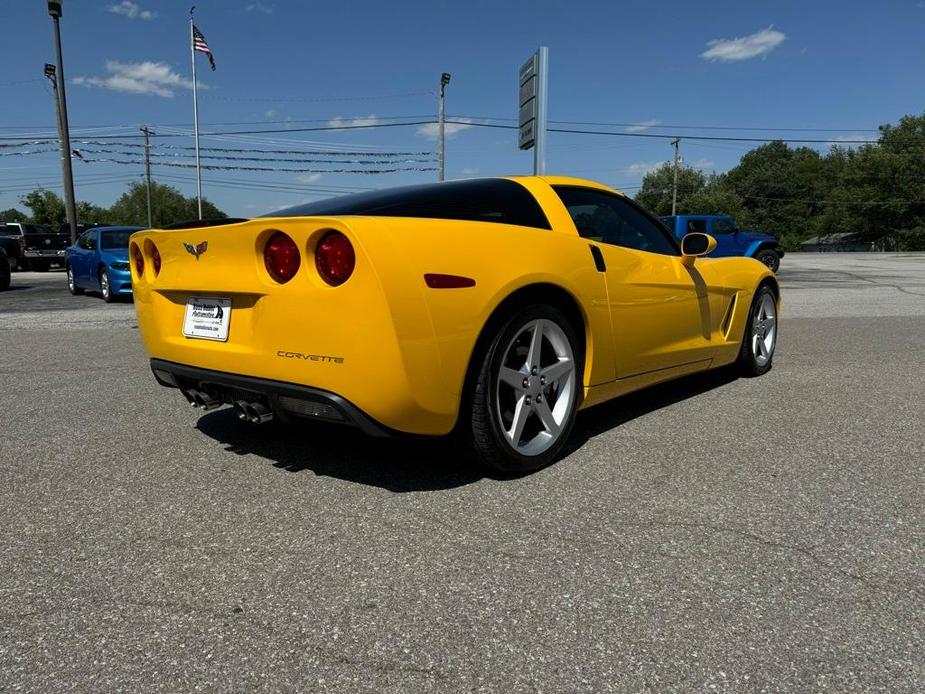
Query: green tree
13	215
46	207
657	188
168	205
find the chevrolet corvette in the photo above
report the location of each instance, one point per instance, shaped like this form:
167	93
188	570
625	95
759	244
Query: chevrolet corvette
493	309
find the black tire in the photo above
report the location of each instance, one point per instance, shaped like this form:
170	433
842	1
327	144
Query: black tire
71	283
480	418
106	287
4	273
769	258
750	362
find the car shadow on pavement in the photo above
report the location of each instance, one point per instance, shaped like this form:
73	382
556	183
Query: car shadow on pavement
421	464
399	465
613	413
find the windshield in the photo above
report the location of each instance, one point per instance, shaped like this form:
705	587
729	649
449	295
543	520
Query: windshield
113	240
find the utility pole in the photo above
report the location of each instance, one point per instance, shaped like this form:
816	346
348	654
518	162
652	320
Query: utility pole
148	170
54	10
192	52
677	162
441	120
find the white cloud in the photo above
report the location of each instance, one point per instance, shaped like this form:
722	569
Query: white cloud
432	130
260	7
138	78
309	178
641	168
644	125
701	164
339	122
130	9
469	172
744	47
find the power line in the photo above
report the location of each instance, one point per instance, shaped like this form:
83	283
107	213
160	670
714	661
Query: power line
717	138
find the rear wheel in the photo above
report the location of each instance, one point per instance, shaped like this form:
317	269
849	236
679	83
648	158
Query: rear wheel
769	258
760	339
106	287
71	283
526	392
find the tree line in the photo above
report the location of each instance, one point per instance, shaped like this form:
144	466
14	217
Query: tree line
875	191
168	205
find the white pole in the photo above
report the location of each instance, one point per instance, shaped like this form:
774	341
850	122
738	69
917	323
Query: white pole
192	51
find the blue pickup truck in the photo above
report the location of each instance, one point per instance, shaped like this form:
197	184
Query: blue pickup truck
729	240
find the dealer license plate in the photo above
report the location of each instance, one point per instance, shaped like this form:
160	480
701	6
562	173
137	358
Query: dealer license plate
207	318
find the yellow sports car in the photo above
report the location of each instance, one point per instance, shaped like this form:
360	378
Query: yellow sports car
494	308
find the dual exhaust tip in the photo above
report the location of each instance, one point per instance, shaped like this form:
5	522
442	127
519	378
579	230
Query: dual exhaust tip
254	412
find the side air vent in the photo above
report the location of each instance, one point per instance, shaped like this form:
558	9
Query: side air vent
727	321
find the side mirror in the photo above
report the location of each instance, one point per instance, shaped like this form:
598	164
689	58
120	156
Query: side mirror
694	245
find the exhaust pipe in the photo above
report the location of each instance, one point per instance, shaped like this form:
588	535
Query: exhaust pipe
253	412
203	401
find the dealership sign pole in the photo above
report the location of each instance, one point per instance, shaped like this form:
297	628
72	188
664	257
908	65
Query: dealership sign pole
531	99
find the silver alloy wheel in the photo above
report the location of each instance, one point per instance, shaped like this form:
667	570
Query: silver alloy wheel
70	278
764	330
535	386
104	284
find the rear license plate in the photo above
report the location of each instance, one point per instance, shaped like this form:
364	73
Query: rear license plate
207	318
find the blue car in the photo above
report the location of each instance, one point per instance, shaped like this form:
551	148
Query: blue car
729	239
99	262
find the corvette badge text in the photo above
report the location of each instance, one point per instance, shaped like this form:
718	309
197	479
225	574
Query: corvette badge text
310	357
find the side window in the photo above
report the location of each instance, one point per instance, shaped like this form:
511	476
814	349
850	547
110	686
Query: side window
696	226
608	218
86	241
723	226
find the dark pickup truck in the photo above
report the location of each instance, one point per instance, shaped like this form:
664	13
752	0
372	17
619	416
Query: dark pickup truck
32	247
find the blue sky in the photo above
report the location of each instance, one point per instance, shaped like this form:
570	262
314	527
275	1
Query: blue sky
844	66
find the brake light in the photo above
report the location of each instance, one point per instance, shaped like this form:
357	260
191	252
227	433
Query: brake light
155	258
281	257
138	259
334	258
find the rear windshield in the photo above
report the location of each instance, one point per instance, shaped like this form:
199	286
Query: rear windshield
482	200
112	240
35	229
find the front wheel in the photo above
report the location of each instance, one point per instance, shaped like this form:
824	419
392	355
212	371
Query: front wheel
760	339
106	287
527	392
769	258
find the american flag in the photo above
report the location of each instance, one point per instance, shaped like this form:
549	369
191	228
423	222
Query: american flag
199	44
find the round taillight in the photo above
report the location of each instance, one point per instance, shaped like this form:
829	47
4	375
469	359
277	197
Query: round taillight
138	259
155	257
334	258
282	258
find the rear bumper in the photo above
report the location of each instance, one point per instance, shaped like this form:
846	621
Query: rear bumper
53	254
288	401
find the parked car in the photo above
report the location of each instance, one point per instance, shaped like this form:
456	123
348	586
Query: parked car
4	271
477	306
32	246
98	262
730	240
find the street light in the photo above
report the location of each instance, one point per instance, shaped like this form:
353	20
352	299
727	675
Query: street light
54	11
441	118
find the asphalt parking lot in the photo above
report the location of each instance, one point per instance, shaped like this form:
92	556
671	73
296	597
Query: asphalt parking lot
715	534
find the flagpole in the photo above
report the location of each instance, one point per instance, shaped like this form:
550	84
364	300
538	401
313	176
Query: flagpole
192	51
